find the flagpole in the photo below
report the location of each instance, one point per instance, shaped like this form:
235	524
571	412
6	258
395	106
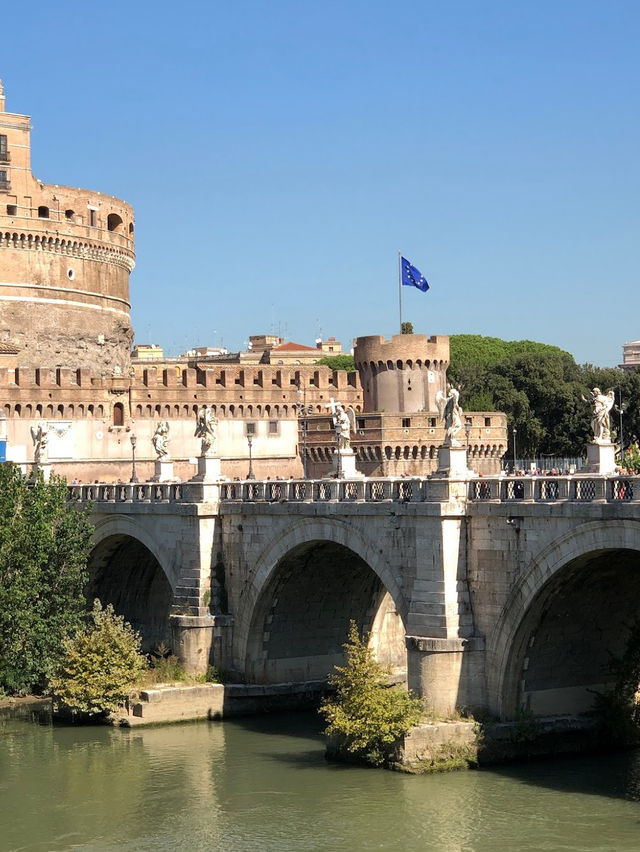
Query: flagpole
400	288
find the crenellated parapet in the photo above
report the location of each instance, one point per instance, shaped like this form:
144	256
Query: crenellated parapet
402	374
173	391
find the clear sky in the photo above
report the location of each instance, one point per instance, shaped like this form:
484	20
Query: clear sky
279	154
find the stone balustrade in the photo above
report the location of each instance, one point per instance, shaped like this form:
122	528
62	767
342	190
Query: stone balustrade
503	489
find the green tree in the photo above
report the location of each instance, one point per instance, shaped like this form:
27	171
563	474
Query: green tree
406	328
366	714
45	540
339	362
99	666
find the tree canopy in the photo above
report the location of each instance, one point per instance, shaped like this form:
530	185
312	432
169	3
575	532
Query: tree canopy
44	544
339	362
540	388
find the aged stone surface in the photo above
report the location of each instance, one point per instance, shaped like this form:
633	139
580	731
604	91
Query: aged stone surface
65	259
492	604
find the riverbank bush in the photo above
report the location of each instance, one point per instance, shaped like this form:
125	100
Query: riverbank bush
99	666
45	540
366	716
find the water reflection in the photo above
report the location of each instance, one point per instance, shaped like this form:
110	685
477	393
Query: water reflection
263	784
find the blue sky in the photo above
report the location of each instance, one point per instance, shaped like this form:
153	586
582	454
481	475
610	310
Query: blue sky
279	154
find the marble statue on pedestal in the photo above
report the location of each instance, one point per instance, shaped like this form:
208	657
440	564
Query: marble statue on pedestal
450	413
160	440
206	430
602	404
40	438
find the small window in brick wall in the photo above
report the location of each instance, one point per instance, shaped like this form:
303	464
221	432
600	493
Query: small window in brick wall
251	428
118	414
406	422
273	427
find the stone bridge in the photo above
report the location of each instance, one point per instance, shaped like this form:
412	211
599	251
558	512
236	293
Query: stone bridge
491	593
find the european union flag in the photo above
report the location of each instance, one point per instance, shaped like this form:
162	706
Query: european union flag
412	277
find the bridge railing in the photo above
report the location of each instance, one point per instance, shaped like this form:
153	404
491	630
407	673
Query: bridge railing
503	489
141	492
542	489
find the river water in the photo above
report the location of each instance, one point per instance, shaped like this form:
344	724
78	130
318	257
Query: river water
262	783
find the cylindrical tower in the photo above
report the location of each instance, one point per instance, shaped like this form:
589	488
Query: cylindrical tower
65	259
402	374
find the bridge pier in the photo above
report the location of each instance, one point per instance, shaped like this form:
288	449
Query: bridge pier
200	641
545	570
448	674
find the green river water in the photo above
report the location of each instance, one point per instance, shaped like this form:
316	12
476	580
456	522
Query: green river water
262	783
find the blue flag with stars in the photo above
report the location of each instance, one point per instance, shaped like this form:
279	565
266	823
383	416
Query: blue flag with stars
412	277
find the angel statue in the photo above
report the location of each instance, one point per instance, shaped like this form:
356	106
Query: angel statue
206	429
160	440
600	423
40	438
451	413
344	420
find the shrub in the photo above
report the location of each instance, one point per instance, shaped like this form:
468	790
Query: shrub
366	715
164	667
99	666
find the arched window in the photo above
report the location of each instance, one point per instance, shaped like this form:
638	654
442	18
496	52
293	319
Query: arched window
69	214
118	414
114	222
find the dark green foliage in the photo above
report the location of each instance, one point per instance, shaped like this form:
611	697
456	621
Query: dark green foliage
366	715
540	388
406	328
99	666
618	709
44	544
339	362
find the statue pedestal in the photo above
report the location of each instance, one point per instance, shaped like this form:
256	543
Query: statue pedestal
347	469
601	459
452	463
208	469
42	467
163	471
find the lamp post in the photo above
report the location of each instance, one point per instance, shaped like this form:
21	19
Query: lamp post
515	431
250	475
621	408
134	441
467	432
303	411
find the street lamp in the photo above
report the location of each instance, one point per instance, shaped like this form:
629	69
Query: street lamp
467	432
303	410
514	448
250	475
134	441
621	408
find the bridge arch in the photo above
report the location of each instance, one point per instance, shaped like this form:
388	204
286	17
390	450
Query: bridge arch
306	586
565	616
128	569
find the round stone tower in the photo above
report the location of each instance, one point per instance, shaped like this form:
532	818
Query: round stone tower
402	374
65	259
